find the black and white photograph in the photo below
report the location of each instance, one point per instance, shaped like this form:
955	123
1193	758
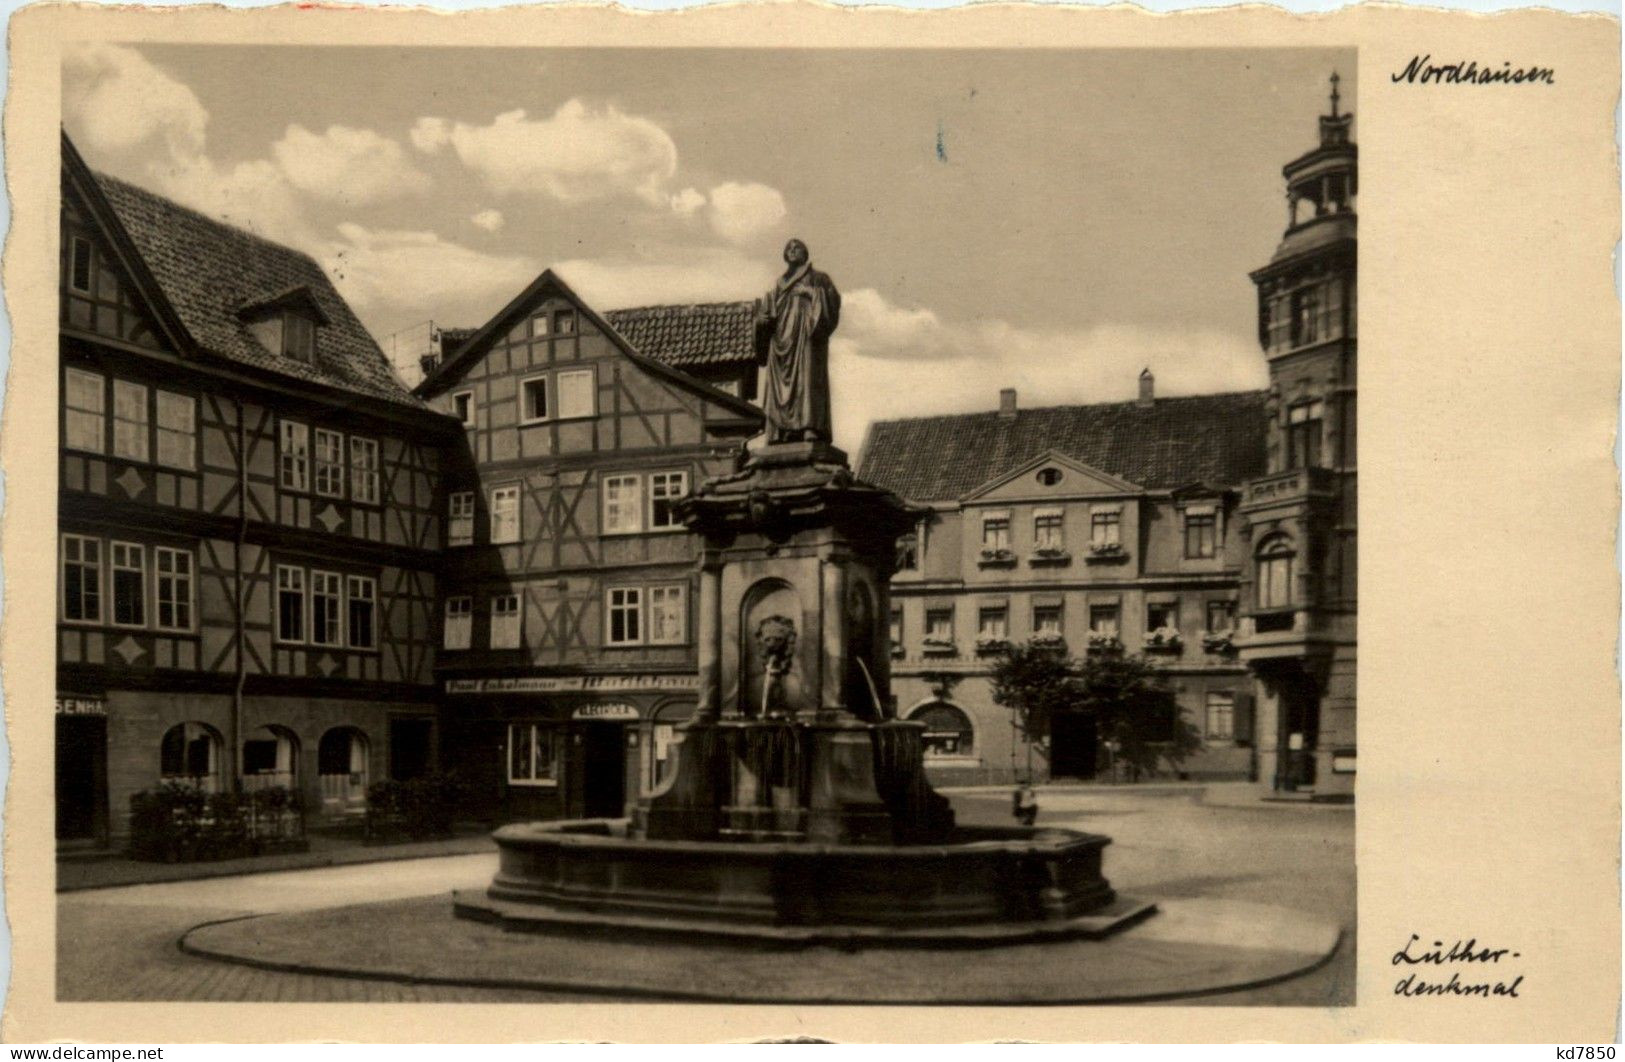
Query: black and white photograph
662	528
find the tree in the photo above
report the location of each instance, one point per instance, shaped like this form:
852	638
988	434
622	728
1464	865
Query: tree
1135	710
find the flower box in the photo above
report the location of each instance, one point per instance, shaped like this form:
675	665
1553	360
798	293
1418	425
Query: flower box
1050	555
992	645
1106	552
1219	641
1100	643
1163	640
938	647
989	558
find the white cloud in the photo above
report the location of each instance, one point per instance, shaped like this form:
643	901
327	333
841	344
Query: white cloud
888	361
383	270
685	274
742	211
346	165
115	101
685	203
579	153
252	195
489	220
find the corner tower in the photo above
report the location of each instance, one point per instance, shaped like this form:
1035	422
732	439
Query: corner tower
1299	585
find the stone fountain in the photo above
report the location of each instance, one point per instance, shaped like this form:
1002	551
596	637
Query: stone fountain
796	808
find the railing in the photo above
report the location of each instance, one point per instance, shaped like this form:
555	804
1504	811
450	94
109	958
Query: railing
1292	485
344	791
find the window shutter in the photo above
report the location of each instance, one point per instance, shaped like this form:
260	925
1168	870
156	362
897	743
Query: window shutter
1244	716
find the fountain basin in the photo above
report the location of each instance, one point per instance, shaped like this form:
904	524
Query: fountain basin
991	885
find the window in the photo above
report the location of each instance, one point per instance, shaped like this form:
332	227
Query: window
993	624
908	552
85	396
996	533
668	615
460	519
329	463
896	629
533	400
664	490
533	754
1047	619
79	266
564	322
1159	617
462	407
326	592
129	420
623	505
505	621
299	337
1201	532
1048	529
1303	435
1105	528
1221	616
81	579
1306	316
1103	620
290	604
1048	477
364	470
939	625
174	588
625	615
177	430
947	730
578	393
538	324
459	633
363	600
190	752
1275	574
1221	716
295	456
129	585
505	514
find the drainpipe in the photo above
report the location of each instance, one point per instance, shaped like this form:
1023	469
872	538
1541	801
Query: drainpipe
237	582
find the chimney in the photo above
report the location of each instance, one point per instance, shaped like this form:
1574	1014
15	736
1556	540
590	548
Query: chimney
1147	387
428	362
1007	403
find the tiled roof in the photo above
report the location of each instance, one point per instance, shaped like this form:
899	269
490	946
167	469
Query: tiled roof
209	271
711	333
1213	439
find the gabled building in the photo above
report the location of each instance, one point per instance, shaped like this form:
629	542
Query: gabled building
1086	526
249	521
567	654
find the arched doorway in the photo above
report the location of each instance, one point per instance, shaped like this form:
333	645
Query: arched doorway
189	754
270	759
341	766
948	730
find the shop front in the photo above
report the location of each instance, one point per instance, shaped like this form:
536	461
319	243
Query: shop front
81	769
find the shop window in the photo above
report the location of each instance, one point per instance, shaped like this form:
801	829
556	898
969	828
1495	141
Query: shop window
533	754
130	425
364	470
623	505
505	514
363	610
1221	716
1275	563
948	730
174	585
329	463
460	518
533	400
459	627
506	621
85	396
177	430
81	579
129	584
578	394
1201	533
665	488
295	456
189	754
290	604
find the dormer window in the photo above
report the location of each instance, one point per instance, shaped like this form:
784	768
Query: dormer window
298	337
286	324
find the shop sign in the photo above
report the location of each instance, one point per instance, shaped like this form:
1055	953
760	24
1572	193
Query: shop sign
575	684
619	713
66	705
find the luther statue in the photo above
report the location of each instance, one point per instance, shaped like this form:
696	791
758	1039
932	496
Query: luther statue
793	325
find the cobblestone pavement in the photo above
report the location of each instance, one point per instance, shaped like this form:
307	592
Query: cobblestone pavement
119	943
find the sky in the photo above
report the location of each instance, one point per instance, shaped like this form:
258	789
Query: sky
1053	221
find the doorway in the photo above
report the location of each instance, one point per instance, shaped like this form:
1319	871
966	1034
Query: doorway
603	772
1300	733
410	744
1074	743
81	777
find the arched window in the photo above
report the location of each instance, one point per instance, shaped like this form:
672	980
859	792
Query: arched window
270	758
947	730
1275	562
190	754
341	766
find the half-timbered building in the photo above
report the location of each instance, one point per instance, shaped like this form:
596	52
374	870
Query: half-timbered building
249	521
567	651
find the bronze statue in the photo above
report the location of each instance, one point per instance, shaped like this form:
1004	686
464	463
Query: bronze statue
793	326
